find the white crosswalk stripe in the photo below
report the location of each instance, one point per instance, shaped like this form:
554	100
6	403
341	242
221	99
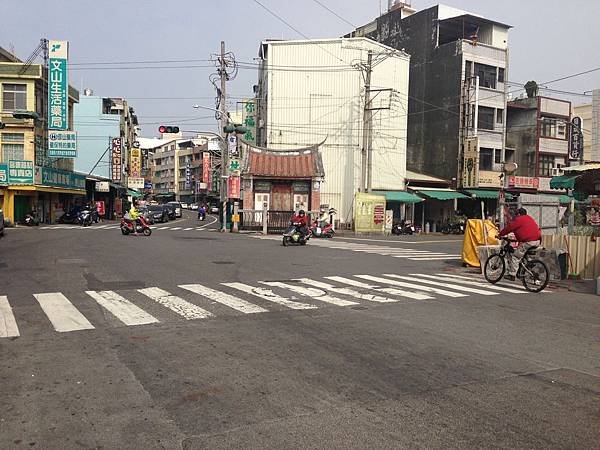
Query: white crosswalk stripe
267	294
185	309
385	290
340	291
225	299
411	285
61	312
8	324
315	294
121	308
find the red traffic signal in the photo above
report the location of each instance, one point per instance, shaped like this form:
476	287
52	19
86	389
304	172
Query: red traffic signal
168	129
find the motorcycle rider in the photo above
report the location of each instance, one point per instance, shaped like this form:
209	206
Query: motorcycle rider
134	216
301	224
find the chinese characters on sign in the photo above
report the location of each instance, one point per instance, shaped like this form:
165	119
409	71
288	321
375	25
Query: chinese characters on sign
249	116
232	146
116	159
20	172
62	144
206	178
234	187
369	212
188	177
470	178
47	176
523	182
576	144
3	174
58	104
135	162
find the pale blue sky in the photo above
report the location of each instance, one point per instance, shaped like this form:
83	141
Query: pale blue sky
550	39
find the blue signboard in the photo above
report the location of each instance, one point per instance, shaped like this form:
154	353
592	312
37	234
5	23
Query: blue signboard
58	99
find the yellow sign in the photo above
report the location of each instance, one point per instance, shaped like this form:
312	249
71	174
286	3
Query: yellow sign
470	174
235	218
369	213
135	162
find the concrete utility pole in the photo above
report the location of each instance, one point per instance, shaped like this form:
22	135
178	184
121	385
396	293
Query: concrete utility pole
224	148
367	157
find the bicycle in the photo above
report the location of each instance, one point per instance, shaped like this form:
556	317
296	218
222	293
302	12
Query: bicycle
533	272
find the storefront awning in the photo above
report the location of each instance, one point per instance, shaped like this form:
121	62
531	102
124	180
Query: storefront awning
441	194
486	193
133	193
399	196
563	182
51	189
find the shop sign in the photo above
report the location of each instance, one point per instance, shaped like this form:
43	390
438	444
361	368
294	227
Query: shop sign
262	186
60	178
233	187
576	141
58	100
232	145
135	162
62	144
135	183
20	171
249	117
301	187
101	208
234	166
148	185
102	186
144	157
116	159
3	174
188	177
470	177
488	178
369	213
523	182
206	178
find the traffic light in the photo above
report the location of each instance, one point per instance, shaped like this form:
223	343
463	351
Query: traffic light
235	128
168	129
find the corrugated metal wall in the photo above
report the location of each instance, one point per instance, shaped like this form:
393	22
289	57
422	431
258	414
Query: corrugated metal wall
314	94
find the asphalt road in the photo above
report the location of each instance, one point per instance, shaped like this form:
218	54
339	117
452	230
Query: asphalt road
195	339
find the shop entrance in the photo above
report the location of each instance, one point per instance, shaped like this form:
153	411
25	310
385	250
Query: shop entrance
22	208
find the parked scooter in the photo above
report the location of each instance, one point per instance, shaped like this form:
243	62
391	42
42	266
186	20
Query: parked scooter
71	216
141	226
293	236
84	217
404	227
322	229
31	220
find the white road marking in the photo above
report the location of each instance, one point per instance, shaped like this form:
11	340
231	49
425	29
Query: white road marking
61	312
175	229
185	309
225	299
469	281
99	227
392	291
347	291
188	229
434	258
411	285
267	294
121	308
423	256
164	228
8	324
315	294
457	287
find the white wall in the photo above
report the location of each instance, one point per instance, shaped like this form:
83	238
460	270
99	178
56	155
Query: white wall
314	94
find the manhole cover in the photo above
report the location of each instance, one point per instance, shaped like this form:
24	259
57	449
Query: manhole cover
223	262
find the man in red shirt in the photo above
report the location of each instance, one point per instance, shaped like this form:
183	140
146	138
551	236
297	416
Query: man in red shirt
527	233
300	219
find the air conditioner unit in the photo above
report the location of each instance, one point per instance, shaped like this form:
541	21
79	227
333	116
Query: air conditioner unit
557	171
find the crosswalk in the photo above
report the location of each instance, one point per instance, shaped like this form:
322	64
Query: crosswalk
411	254
113	227
186	302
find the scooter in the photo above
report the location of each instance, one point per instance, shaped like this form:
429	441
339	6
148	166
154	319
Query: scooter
31	220
292	235
141	226
71	216
404	228
322	229
84	217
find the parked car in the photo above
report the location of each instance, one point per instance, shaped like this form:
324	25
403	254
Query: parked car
184	205
1	223
178	208
194	206
214	209
170	208
158	213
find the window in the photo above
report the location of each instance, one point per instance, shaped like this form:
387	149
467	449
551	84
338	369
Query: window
554	128
486	118
468	69
500	116
14	96
546	165
487	75
486	159
13	146
509	155
498	156
500	75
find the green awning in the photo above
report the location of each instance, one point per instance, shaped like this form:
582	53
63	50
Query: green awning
486	193
133	193
441	194
168	194
563	182
399	196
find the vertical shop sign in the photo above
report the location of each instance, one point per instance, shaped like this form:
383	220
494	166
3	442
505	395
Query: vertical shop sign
116	159
58	100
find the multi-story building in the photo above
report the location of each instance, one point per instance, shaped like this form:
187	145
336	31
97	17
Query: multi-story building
538	131
176	167
46	184
590	117
312	92
457	90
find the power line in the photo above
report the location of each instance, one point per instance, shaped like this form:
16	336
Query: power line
334	13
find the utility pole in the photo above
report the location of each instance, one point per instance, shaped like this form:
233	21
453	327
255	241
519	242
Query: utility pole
366	160
224	148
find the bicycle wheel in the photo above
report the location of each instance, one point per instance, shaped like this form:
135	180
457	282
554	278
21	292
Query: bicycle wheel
494	268
535	276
